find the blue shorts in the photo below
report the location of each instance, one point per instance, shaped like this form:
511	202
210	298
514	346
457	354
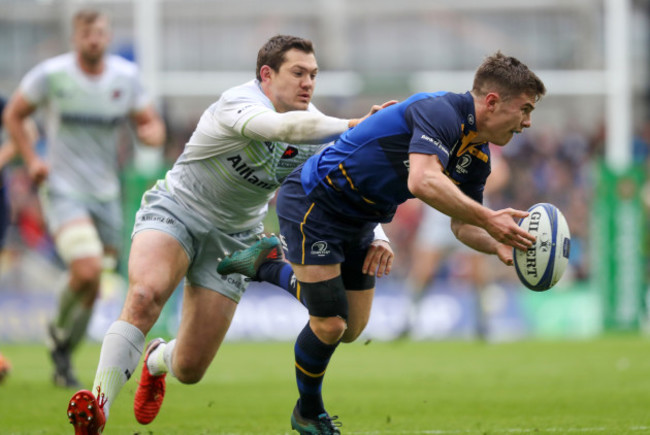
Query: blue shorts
315	234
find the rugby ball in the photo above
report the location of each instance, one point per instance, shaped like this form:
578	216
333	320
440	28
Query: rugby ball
543	264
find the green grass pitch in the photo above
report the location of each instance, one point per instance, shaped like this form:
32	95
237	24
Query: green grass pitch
598	386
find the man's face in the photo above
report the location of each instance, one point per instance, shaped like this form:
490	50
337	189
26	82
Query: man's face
292	86
91	39
509	117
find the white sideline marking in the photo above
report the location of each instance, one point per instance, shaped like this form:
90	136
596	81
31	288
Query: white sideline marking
512	430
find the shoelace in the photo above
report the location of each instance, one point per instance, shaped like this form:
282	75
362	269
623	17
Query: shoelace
101	398
328	424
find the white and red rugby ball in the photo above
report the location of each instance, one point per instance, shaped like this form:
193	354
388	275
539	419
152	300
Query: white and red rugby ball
543	264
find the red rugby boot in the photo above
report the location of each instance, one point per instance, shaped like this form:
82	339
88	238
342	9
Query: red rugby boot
151	390
86	412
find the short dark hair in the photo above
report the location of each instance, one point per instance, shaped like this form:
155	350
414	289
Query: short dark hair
272	52
87	16
508	76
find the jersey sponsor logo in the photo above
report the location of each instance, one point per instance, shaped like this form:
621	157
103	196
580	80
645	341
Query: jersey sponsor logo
162	219
319	249
290	153
463	163
248	173
436	142
233	281
83	119
244	108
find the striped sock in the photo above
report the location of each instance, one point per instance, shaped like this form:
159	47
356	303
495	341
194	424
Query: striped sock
280	274
312	357
121	351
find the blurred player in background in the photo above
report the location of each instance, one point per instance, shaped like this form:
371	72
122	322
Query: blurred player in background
8	151
435	244
88	95
432	146
211	202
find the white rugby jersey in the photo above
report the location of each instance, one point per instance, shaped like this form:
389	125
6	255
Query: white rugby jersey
226	177
82	117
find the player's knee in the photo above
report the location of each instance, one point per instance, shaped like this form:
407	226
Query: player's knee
85	274
327	304
79	241
356	324
188	371
143	305
188	376
352	333
329	330
325	298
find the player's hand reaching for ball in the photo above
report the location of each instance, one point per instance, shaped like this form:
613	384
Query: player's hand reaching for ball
503	227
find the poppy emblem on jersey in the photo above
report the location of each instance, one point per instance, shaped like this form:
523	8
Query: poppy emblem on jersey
290	153
117	93
319	249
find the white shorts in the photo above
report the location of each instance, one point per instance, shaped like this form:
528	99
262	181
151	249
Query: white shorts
434	231
203	243
60	209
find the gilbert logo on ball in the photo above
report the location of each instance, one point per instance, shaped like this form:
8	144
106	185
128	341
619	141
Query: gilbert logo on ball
543	264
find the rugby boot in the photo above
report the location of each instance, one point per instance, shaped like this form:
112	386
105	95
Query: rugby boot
248	261
151	389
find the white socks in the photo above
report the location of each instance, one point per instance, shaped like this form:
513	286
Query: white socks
121	351
160	359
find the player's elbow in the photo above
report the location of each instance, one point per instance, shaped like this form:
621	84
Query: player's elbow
286	132
10	118
422	184
456	228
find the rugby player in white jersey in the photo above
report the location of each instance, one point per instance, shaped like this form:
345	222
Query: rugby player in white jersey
210	203
87	95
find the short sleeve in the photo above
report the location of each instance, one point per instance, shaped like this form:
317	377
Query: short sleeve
34	85
435	127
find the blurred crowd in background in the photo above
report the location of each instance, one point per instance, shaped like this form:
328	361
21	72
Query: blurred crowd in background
544	165
200	47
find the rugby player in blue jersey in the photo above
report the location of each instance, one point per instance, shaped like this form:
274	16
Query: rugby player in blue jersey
432	146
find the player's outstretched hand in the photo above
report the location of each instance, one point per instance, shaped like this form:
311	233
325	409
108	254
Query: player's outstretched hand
374	109
379	259
503	227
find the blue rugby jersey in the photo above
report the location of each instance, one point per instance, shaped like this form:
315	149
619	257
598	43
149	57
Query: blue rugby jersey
364	174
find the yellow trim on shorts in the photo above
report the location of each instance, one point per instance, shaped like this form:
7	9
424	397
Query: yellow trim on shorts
298	290
303	233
